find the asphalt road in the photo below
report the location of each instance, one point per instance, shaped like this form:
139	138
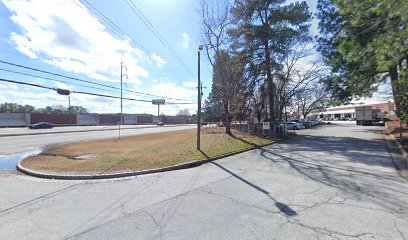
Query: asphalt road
14	144
26	131
333	182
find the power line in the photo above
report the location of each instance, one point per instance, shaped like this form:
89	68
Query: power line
81	92
75	84
55	74
86	81
24	83
117	30
61	81
146	21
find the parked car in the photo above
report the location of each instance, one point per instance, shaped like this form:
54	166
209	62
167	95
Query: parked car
41	125
294	126
160	124
307	124
220	124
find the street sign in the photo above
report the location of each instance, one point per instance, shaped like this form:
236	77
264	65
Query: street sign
266	126
158	101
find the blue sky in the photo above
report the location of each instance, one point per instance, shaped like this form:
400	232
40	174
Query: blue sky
61	36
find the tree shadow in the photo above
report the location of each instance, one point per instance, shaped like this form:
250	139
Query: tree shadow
349	164
205	155
244	141
281	206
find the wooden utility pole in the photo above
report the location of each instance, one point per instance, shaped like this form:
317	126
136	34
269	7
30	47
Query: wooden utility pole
199	101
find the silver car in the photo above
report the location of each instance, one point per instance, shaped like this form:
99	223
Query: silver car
294	126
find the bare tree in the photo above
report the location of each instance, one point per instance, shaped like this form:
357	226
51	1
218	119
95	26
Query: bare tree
215	20
297	72
311	99
184	113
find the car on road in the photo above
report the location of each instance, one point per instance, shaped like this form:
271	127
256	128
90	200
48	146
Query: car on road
160	124
41	125
294	126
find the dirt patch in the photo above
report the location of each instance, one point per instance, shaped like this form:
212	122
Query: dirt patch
138	152
394	128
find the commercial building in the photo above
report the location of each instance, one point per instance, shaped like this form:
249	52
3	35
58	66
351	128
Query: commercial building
386	109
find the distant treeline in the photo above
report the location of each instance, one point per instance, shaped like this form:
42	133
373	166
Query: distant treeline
55	109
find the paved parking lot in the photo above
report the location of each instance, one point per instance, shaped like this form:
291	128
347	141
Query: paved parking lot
331	182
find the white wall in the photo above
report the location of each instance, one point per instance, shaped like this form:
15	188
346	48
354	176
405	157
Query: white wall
14	119
89	119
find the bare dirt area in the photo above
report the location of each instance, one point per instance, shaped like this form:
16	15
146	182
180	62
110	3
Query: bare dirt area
138	152
394	128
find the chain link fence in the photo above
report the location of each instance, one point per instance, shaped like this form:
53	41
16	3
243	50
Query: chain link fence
265	129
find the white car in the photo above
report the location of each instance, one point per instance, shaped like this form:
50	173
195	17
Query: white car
294	126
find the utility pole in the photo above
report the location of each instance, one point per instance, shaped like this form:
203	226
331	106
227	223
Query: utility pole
121	93
69	104
199	89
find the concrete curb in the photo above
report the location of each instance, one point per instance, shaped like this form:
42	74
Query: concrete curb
76	131
399	155
191	164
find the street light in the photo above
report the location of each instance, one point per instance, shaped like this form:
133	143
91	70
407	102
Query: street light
65	92
200	47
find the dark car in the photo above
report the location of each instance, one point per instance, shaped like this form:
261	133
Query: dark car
41	125
160	124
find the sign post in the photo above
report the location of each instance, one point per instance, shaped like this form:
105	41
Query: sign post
158	102
266	126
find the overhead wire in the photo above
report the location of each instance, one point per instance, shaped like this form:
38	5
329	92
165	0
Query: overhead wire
146	21
82	92
117	29
86	81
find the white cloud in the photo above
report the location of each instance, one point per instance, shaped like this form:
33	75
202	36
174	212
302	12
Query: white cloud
383	94
186	40
66	36
8	86
172	90
190	84
160	62
64	86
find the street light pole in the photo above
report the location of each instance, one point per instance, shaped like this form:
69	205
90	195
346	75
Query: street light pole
200	47
121	93
69	103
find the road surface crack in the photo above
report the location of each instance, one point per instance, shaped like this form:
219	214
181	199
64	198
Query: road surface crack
155	221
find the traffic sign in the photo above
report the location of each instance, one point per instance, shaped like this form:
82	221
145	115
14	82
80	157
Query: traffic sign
158	101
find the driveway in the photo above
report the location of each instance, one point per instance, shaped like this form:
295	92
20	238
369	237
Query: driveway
332	182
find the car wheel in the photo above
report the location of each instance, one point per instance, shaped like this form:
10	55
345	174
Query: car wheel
295	128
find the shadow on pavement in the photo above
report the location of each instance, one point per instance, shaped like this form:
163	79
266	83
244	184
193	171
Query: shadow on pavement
356	166
281	206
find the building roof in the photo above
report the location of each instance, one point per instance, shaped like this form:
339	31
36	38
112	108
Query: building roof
344	109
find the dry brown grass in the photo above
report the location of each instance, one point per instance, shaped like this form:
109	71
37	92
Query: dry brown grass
393	128
139	152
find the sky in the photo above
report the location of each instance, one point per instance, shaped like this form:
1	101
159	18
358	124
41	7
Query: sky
64	37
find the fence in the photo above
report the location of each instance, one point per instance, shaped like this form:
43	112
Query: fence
88	119
25	119
60	119
277	130
15	119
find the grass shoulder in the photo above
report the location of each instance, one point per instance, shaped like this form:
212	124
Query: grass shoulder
139	152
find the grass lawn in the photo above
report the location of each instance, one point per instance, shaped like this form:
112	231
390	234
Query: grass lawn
138	152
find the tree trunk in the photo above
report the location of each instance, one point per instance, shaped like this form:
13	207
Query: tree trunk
395	86
269	80
227	118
